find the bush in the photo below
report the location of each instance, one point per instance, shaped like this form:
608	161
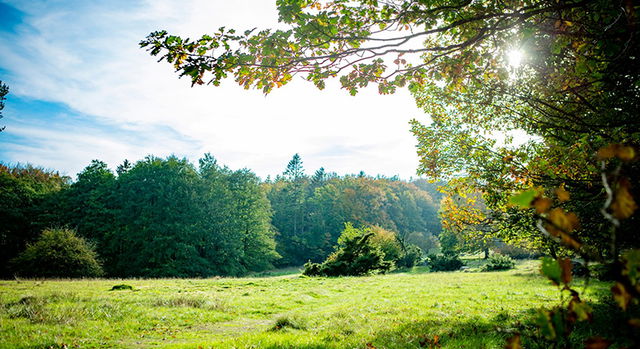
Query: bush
312	269
444	262
58	253
388	243
357	255
499	262
411	256
122	287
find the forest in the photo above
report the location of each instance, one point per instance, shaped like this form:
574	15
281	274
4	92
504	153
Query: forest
168	218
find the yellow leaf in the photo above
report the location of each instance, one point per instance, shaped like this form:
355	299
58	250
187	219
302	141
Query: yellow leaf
607	152
562	194
623	204
625	153
581	310
562	222
569	241
542	205
621	295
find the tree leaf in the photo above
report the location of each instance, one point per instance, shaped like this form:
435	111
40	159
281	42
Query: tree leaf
623	205
542	205
562	222
551	269
524	198
607	152
581	309
565	270
543	320
632	265
621	295
625	153
597	343
562	194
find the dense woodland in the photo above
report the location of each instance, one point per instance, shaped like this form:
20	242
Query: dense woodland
167	217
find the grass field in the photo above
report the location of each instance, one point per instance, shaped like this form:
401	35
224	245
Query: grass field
399	310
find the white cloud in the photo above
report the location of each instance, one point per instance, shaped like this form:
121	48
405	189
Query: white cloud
86	56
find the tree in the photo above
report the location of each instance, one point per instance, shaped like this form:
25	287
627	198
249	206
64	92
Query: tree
294	169
4	90
28	204
288	196
89	205
467	217
58	253
159	211
252	214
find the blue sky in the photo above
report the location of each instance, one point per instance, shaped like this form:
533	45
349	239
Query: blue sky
81	89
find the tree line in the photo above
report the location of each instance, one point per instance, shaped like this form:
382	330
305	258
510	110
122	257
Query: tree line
163	217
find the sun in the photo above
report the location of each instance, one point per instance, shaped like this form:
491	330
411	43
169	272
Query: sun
514	57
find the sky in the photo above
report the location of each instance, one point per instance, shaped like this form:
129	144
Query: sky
82	89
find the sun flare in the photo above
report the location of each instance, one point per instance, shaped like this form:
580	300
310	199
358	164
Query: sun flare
514	57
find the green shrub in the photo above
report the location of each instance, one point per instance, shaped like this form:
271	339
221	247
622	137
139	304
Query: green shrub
357	254
444	262
312	269
121	287
58	253
499	262
410	257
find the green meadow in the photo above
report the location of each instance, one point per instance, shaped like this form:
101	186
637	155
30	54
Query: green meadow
413	309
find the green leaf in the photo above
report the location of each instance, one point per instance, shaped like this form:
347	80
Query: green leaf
551	269
524	199
543	320
582	310
632	265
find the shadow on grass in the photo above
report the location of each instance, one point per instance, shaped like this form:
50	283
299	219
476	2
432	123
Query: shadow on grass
456	332
608	322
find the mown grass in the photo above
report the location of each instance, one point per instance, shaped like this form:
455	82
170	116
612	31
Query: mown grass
399	310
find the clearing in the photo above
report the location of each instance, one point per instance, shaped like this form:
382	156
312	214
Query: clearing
399	310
